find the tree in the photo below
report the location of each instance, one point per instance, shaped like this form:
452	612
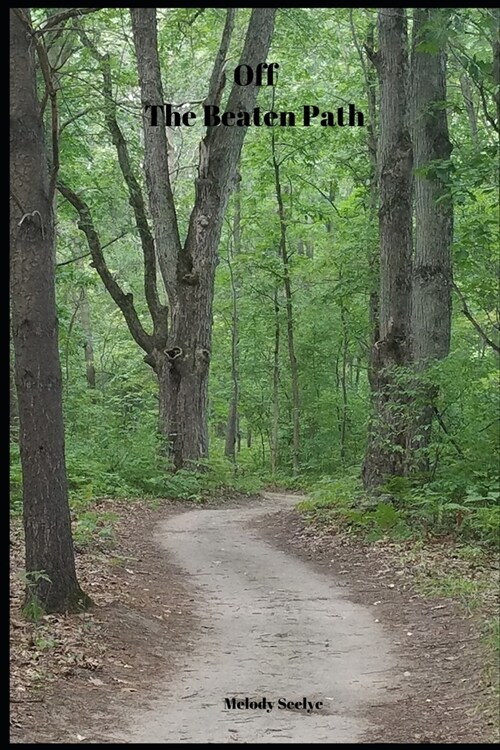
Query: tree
50	563
179	347
232	431
386	450
188	269
287	286
432	272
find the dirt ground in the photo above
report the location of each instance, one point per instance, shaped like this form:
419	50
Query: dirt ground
148	661
448	696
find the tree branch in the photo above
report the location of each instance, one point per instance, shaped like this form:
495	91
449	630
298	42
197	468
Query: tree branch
447	433
474	322
218	77
64	16
159	313
124	301
161	200
85	255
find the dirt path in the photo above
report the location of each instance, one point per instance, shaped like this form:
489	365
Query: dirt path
271	627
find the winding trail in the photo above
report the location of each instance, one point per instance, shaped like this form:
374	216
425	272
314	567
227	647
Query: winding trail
271	626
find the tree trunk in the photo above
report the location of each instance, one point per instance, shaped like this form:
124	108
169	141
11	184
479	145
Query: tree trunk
232	422
432	270
469	106
386	451
345	344
47	523
276	387
294	373
88	346
368	60
496	62
13	409
188	270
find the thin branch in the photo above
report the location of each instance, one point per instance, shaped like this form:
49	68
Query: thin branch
447	433
85	255
70	330
74	118
325	196
198	13
474	322
60	18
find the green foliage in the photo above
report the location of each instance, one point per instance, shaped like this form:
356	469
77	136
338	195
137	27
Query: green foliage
408	508
33	609
92	525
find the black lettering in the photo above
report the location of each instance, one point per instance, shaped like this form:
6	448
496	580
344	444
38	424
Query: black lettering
230	702
154	113
269	117
287	118
327	119
227	117
211	115
340	116
188	116
237	75
309	113
352	113
169	115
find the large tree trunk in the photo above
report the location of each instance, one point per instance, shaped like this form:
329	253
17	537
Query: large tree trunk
13	409
188	269
432	271
386	451
47	524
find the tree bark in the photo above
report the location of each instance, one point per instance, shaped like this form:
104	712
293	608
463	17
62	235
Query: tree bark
386	450
188	269
232	421
88	346
13	409
46	515
294	372
345	345
276	388
432	270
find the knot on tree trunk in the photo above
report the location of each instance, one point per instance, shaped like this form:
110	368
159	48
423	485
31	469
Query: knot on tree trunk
191	279
203	356
173	353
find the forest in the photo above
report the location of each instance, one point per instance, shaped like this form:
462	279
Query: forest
253	251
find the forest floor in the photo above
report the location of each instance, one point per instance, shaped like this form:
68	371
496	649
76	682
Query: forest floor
196	604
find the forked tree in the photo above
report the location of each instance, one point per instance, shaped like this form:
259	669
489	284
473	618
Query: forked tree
178	348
